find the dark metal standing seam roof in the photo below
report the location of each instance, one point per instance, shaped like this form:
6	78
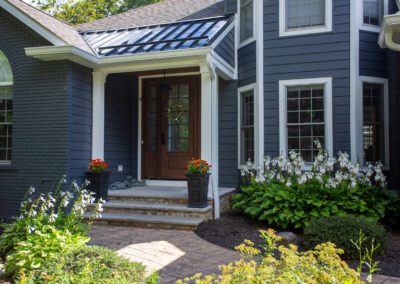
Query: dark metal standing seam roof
172	36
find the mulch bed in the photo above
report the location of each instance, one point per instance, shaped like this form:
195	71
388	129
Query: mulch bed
233	228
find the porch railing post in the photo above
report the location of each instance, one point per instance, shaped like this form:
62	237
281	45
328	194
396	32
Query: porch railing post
98	113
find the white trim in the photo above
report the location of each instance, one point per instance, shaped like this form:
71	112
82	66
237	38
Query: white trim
34	25
5	84
328	27
98	114
354	75
227	71
140	112
328	110
223	35
359	113
174	183
247	42
259	96
241	90
371	28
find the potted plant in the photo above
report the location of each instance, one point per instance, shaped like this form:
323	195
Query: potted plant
198	176
98	178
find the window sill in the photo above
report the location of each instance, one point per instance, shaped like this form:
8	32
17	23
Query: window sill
369	28
305	31
8	168
247	42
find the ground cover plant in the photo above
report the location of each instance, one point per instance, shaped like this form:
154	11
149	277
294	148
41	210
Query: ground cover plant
273	264
283	194
50	230
341	231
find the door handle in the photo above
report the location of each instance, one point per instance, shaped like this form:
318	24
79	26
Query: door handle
162	138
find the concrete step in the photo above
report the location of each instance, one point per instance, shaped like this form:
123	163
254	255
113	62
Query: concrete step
149	221
160	209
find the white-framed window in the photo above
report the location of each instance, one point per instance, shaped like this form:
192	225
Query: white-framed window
373	12
298	17
6	109
374	120
247	22
305	115
247	128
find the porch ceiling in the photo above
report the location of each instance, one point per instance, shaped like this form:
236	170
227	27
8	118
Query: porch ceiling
156	38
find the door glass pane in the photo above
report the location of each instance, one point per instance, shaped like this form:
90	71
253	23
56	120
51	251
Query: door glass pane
152	119
178	119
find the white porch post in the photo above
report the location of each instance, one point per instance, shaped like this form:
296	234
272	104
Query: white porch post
209	130
98	109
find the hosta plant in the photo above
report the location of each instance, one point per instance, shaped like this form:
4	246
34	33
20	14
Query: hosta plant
284	194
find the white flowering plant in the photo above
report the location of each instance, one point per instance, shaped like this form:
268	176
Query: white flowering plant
288	192
49	224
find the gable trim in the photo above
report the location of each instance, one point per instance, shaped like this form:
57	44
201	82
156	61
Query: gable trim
31	23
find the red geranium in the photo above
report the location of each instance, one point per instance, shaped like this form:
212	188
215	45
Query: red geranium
97	166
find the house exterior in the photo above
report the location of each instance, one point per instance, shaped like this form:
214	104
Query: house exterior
226	81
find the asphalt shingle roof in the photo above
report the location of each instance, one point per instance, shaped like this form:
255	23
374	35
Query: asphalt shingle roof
62	30
166	11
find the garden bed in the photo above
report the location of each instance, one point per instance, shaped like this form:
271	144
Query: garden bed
233	228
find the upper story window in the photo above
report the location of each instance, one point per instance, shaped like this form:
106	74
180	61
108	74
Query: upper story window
247	142
297	17
6	106
305	112
246	20
373	11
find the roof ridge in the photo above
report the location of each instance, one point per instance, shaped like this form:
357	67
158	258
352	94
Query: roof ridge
153	25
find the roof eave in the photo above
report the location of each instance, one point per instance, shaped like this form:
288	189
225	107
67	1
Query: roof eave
122	63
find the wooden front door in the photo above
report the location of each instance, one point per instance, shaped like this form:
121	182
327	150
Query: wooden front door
171	126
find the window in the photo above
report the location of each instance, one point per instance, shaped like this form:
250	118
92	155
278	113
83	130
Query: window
374	123
305	116
373	11
6	106
304	16
246	20
247	126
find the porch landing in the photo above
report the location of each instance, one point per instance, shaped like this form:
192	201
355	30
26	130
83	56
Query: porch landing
162	207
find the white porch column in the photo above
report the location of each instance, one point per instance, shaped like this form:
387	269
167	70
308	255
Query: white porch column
209	130
98	109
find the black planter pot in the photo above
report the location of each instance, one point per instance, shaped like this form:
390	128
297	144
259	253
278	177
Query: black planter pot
198	190
99	184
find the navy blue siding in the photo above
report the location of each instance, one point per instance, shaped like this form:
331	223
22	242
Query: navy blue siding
121	103
230	6
80	86
372	57
228	133
247	65
226	48
307	56
40	123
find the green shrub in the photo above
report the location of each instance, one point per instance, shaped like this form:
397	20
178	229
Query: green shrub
90	264
319	266
282	194
341	230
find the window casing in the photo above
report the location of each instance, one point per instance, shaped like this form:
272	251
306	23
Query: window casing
247	129
6	109
297	17
305	115
374	123
246	20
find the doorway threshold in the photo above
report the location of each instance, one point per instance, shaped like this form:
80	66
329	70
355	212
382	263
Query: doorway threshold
176	183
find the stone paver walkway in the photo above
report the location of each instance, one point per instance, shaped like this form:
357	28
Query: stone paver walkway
175	254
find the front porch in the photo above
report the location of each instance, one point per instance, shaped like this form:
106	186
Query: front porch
162	207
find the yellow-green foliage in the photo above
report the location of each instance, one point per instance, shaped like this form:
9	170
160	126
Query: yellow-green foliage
319	266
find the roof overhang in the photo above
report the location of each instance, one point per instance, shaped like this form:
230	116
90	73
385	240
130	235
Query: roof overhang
390	26
135	62
34	25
